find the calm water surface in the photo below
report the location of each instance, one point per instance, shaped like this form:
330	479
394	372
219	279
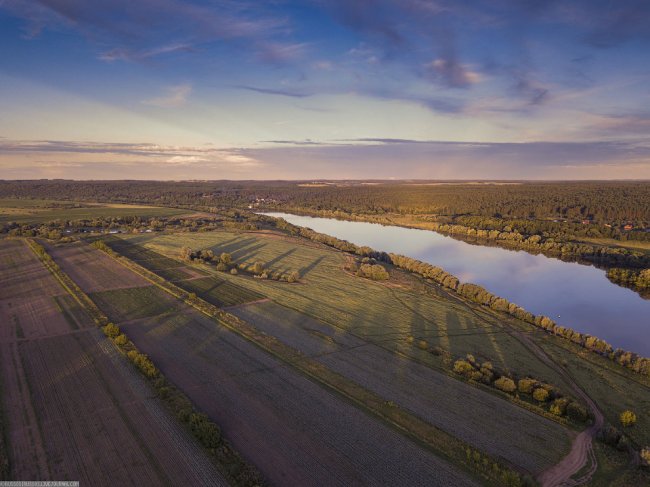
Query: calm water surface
574	295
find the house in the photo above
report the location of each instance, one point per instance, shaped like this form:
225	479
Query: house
628	227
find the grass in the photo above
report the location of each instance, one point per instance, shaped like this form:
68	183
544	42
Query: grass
34	211
388	313
133	303
220	292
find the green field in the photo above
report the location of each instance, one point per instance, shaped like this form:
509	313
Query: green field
36	211
134	303
388	313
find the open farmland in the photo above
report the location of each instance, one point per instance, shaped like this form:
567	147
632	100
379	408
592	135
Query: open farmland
73	408
267	410
296	432
34	211
92	271
388	313
509	431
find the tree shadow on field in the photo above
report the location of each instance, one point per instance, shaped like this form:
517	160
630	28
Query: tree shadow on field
280	257
233	245
305	270
245	253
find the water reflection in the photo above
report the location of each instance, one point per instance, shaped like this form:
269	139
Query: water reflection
574	295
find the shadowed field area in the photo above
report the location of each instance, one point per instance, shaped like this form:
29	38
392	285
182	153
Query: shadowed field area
73	408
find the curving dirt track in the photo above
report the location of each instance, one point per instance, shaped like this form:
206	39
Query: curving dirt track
581	457
582	451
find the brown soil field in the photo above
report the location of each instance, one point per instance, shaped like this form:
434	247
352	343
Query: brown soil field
32	303
510	432
295	431
22	275
92	270
73	407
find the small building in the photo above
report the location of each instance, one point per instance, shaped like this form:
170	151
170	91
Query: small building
628	227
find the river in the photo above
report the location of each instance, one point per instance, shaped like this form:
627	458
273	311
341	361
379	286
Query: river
574	295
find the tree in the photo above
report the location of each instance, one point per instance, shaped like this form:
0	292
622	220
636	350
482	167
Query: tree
186	253
645	455
540	394
111	330
628	418
526	385
577	412
505	384
559	406
258	267
226	258
293	277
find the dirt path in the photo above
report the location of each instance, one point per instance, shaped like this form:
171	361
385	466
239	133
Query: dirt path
582	451
581	457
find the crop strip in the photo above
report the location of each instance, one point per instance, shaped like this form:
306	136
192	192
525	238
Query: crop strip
232	465
488	468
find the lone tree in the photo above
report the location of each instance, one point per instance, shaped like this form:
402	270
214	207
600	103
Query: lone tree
628	418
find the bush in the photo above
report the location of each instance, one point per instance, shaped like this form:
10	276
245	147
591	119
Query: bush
559	406
526	385
577	412
540	394
111	330
143	363
505	384
628	418
645	456
463	367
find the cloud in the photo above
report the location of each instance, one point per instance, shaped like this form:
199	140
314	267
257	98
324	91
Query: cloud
147	28
274	91
280	53
121	54
451	73
176	96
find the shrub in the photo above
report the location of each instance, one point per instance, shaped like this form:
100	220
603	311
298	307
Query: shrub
111	330
559	406
526	385
577	412
258	267
505	384
628	418
645	456
143	363
540	394
463	367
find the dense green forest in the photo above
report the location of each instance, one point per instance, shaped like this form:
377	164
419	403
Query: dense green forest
582	221
610	202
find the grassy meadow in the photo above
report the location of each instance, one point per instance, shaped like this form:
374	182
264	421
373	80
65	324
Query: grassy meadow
37	210
390	312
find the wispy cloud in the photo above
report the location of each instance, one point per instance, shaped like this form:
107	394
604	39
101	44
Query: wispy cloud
122	54
276	91
451	73
175	96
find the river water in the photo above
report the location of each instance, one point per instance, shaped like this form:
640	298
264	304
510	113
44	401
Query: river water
574	295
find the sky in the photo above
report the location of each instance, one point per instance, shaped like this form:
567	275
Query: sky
325	89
